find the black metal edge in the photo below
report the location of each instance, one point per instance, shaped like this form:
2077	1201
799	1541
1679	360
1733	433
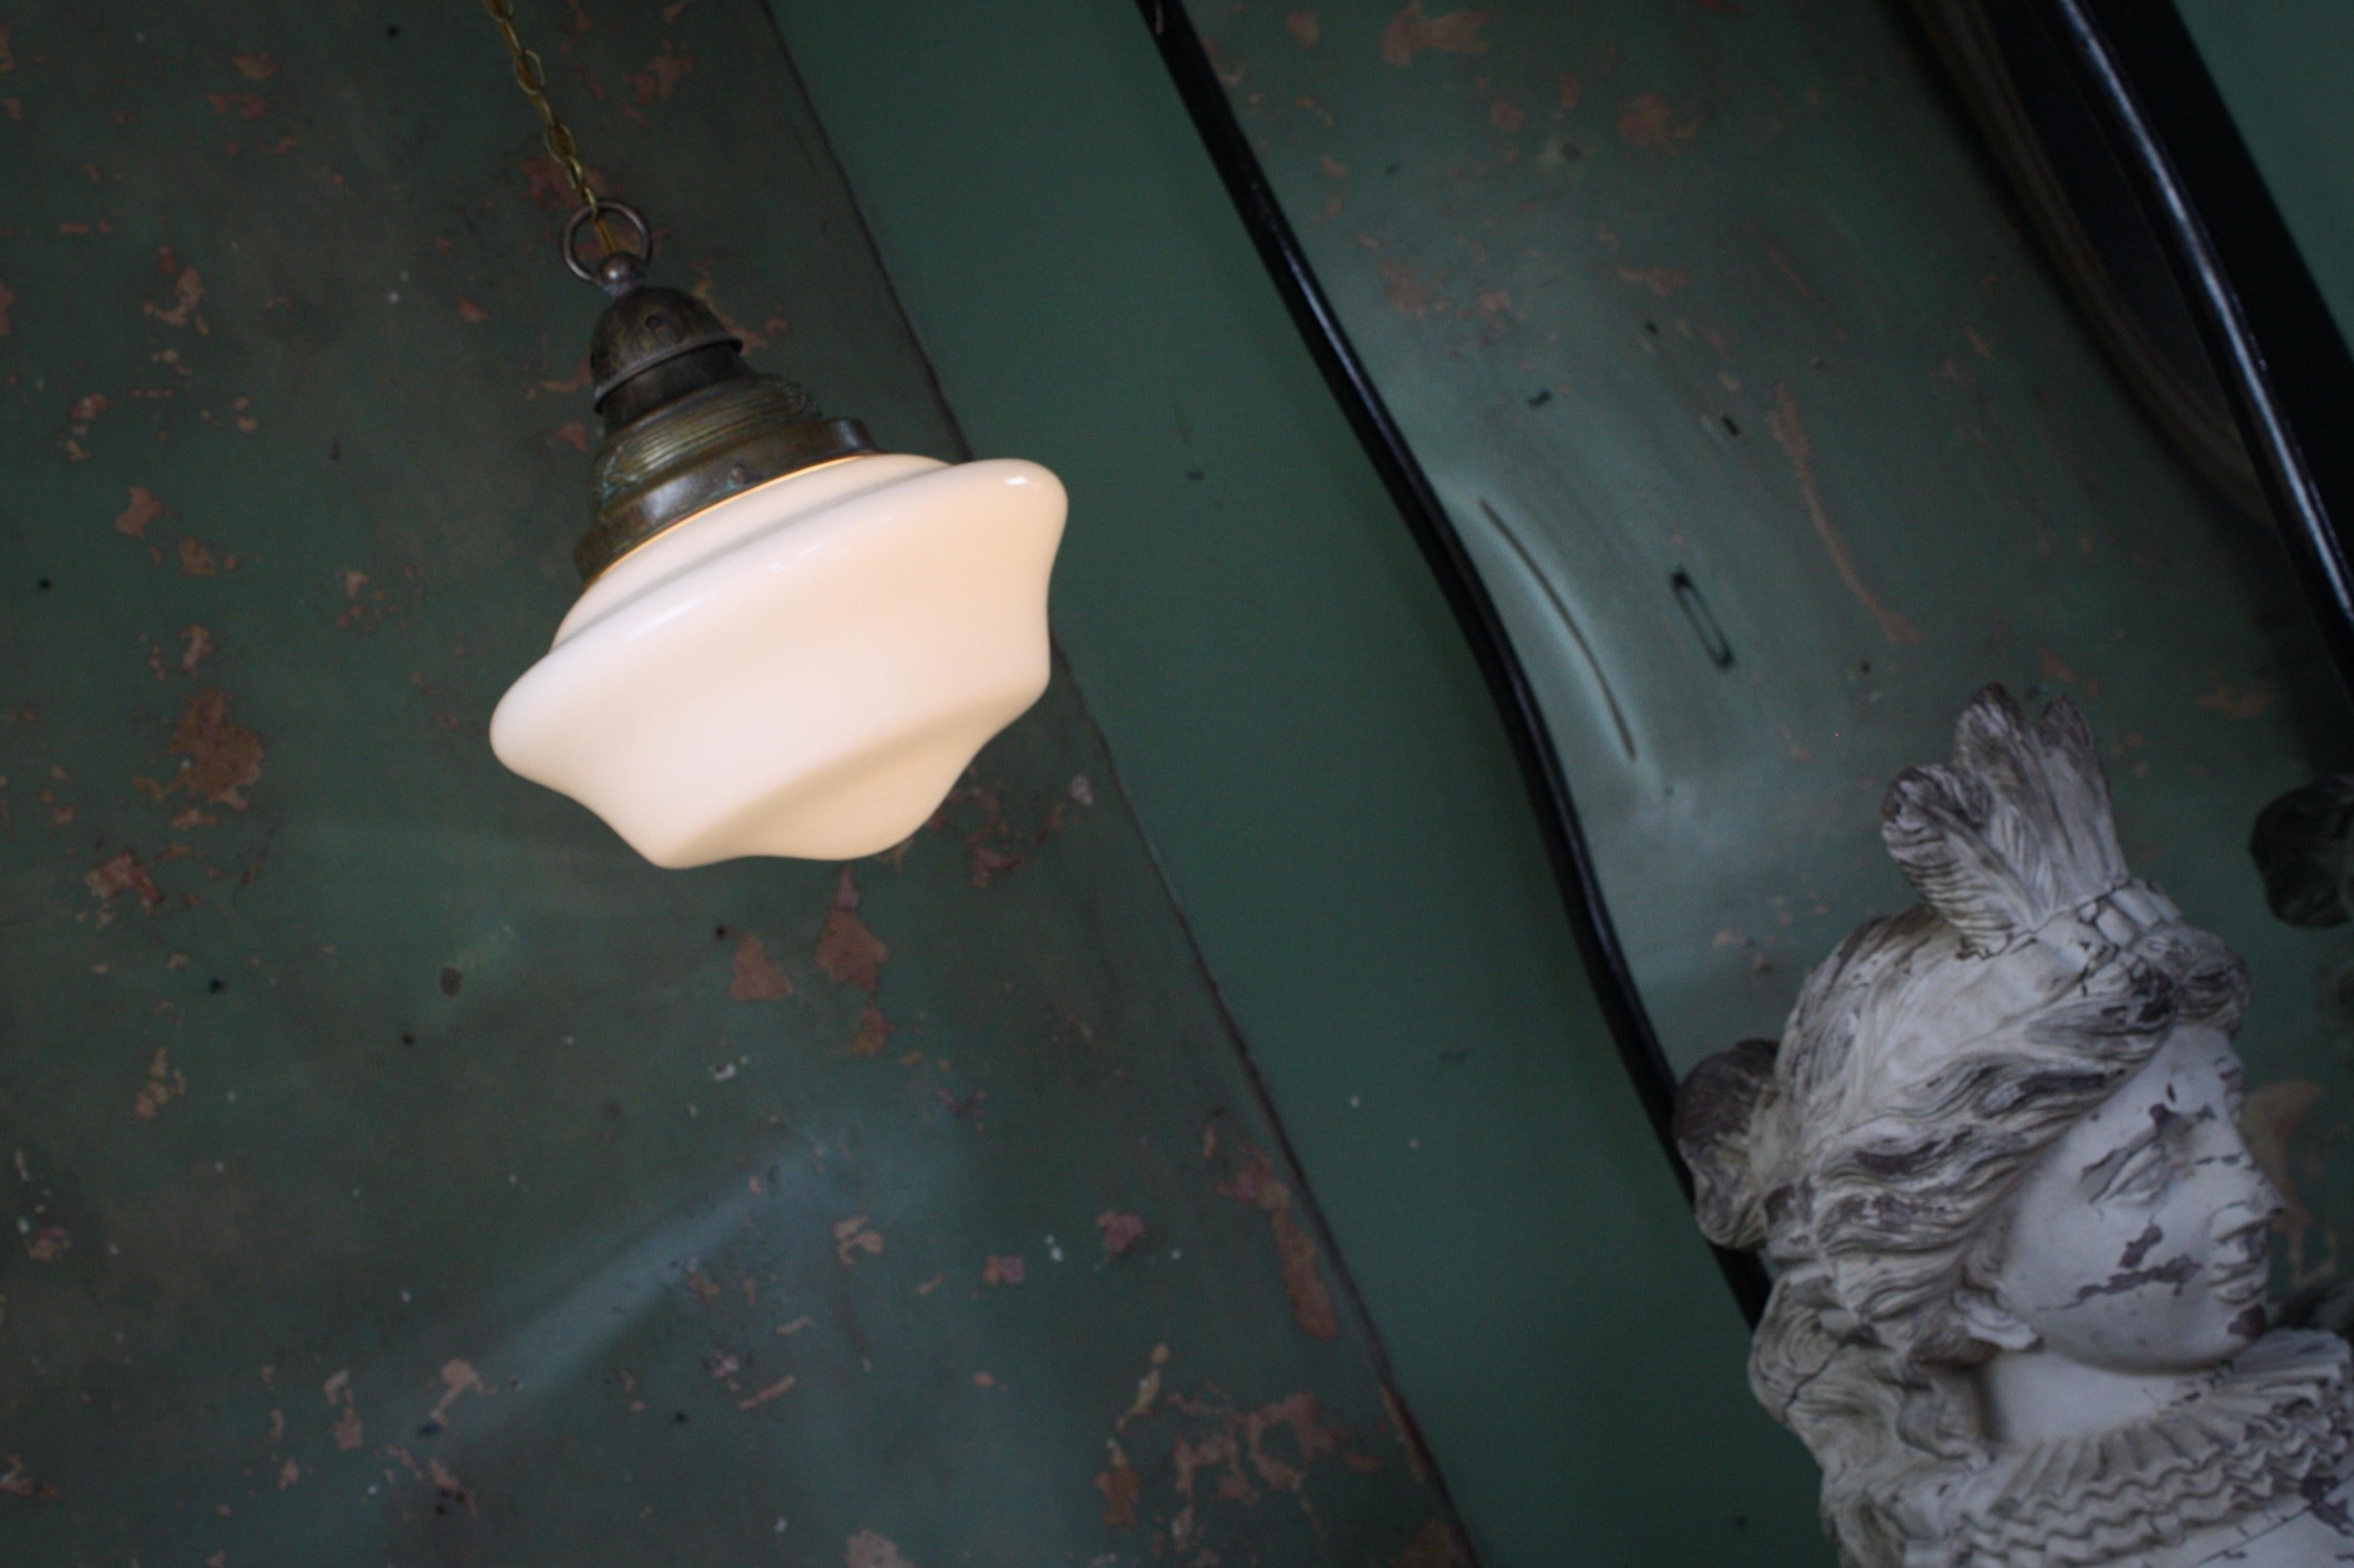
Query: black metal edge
1434	531
2267	328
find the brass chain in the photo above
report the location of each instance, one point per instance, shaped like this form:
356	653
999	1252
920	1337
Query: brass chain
531	76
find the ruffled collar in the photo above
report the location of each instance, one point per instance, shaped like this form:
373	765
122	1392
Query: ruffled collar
2270	1435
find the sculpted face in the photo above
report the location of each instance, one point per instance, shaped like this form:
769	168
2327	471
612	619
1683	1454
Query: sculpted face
2140	1242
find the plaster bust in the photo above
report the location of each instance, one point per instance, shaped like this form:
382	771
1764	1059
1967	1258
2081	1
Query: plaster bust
2020	1245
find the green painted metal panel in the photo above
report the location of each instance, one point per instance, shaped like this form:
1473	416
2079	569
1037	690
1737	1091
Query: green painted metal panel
2283	69
398	1170
1776	438
1323	778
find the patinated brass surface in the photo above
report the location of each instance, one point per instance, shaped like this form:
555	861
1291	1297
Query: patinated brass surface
687	422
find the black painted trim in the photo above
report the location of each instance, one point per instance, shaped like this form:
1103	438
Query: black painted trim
2275	344
1458	576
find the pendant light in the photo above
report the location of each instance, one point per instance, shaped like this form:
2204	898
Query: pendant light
788	643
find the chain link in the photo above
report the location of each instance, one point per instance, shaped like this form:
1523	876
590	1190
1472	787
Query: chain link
531	76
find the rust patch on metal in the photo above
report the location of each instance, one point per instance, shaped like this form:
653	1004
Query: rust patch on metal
187	293
1251	1180
854	1236
1410	32
1122	1232
875	1031
122	873
868	1550
15	1481
1303	27
1790	431
223	757
1650	121
1434	1545
1298	1414
848	952
2242	703
449	1490
576	25
165	1084
142	509
349	1434
998	848
775	1391
78	419
457	1378
754	337
661	74
1120	1486
757	977
1405	290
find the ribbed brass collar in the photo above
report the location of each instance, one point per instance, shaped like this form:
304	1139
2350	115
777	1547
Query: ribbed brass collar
687	422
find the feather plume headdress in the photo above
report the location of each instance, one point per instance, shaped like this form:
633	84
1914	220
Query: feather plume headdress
2015	830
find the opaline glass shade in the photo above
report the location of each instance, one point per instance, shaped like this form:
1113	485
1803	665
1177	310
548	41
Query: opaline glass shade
803	669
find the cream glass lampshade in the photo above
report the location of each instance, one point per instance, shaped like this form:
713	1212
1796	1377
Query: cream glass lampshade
791	644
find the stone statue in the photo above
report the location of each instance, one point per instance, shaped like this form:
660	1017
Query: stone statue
2020	1245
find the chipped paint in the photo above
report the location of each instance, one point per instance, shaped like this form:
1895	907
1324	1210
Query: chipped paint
142	509
848	952
222	758
1649	120
1250	1180
868	1549
420	1091
1122	1233
755	977
856	1235
187	293
165	1084
661	75
1409	33
1435	1545
457	1378
875	1031
123	872
2241	703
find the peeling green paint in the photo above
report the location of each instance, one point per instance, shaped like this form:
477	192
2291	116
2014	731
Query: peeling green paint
402	1171
1778	439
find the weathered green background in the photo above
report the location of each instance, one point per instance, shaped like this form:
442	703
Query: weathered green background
516	1089
1722	340
1298	719
393	1176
